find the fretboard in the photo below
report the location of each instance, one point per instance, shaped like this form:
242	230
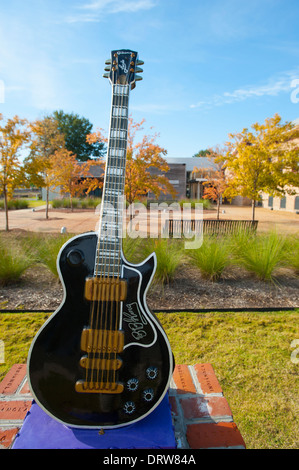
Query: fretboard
108	255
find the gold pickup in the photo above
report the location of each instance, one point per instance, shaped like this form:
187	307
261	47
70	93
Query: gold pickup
100	363
98	387
105	289
102	341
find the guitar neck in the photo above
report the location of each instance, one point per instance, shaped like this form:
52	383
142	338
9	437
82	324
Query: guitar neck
108	256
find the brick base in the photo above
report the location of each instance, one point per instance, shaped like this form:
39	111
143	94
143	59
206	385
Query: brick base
201	416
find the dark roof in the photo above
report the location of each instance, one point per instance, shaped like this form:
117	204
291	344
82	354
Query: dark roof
198	162
96	171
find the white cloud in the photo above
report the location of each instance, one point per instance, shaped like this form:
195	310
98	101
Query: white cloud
94	11
273	87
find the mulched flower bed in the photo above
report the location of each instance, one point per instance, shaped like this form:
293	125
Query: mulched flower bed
38	289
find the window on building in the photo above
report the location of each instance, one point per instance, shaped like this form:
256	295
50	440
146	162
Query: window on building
283	203
297	202
270	201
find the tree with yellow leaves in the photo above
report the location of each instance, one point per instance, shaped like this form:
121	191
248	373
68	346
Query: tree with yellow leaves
45	141
141	157
264	159
13	135
71	176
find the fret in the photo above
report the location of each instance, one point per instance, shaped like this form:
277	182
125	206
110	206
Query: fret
120	101
118	134
119	123
108	239
115	171
115	181
106	272
114	192
117	161
111	193
119	111
108	254
116	152
120	89
112	226
102	271
118	143
115	178
109	248
113	212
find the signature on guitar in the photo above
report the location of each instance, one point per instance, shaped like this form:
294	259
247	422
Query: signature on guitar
135	321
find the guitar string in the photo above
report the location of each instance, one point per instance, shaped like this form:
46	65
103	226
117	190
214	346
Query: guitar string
119	181
104	250
98	279
110	233
112	224
95	288
102	246
114	177
122	184
91	341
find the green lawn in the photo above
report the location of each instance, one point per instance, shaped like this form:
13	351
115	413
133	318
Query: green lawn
36	202
250	353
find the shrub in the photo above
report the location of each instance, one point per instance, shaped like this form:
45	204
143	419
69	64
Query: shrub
83	203
57	203
206	203
15	204
212	257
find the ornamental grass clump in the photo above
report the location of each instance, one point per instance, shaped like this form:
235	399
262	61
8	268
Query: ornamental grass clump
261	254
14	260
48	249
292	254
169	256
212	257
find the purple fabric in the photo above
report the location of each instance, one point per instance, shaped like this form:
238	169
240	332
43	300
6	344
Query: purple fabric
40	431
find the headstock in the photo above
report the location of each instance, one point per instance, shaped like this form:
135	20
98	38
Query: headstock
123	67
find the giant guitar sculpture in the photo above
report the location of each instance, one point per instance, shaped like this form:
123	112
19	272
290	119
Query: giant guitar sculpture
102	360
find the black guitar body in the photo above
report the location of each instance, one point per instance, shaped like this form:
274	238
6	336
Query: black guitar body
145	364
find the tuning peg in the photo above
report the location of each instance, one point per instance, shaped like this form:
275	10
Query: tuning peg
107	69
138	77
140	62
108	62
138	70
106	75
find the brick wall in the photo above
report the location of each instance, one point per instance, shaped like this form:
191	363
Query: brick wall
201	415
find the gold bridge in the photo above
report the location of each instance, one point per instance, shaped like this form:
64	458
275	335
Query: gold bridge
105	289
102	341
100	363
107	343
98	387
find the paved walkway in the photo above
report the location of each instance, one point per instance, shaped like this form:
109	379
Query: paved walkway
82	221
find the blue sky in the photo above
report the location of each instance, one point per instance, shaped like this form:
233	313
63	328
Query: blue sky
212	67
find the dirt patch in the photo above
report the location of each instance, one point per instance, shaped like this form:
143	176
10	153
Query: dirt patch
39	289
